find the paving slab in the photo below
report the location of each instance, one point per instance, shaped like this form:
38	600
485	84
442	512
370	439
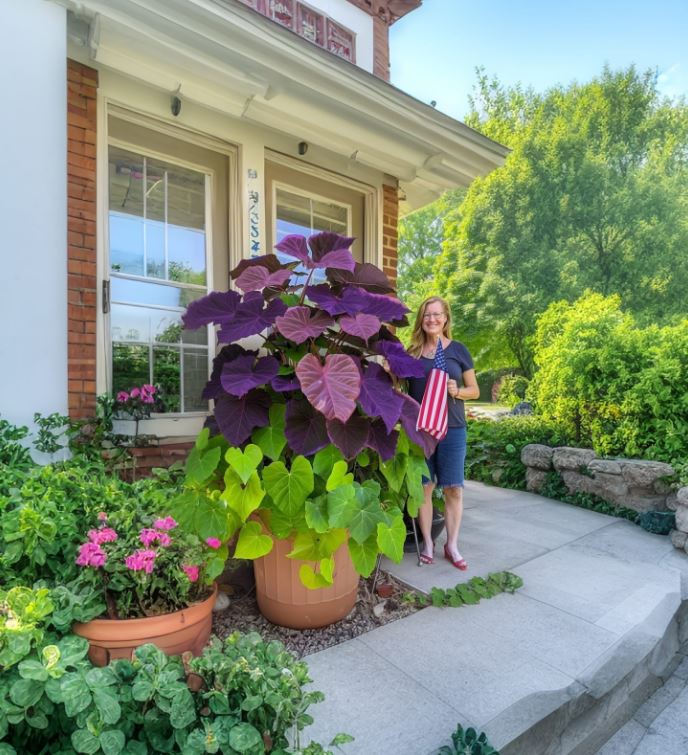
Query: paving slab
597	612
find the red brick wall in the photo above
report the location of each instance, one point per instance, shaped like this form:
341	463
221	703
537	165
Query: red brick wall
82	83
390	218
144	460
380	48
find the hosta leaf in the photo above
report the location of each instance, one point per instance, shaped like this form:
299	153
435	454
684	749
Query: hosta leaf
252	543
331	388
289	488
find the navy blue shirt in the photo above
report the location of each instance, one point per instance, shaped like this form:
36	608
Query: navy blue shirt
458	362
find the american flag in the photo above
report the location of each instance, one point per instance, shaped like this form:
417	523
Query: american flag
433	414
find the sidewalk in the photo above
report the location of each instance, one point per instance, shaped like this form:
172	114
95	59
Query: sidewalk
555	668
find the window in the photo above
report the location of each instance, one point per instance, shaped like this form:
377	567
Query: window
158	264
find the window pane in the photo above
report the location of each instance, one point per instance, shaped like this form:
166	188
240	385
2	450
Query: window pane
126	244
186	229
141	292
195	378
186	255
155	249
129	366
126	197
166	376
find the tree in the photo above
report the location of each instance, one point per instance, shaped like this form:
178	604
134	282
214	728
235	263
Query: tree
593	196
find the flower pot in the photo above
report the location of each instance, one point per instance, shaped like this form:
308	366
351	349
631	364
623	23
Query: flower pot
284	600
175	633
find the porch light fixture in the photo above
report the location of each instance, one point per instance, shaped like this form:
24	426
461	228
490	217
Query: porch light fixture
303	148
175	105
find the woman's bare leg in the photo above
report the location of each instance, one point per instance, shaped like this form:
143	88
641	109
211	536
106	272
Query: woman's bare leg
453	512
425	519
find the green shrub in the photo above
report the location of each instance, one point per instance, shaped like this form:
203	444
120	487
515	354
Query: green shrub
614	386
488	379
494	448
511	390
468	742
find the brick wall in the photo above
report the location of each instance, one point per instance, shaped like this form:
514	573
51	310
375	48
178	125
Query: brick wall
380	48
82	83
390	217
142	461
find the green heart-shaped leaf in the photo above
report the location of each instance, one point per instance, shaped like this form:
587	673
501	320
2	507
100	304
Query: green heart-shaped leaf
341	506
325	459
245	462
339	477
394	471
252	543
315	581
202	438
364	555
201	464
391	537
316	514
313	546
289	488
271	439
242	499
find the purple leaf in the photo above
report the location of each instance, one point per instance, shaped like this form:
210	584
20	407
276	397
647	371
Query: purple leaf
326	299
283	384
360	325
378	398
381	441
256	278
387	308
298	325
237	417
321	244
409	417
331	388
364	275
217	307
330	251
213	387
250	318
304	428
243	374
401	364
351	436
269	261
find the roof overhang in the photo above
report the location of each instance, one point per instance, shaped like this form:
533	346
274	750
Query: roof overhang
221	54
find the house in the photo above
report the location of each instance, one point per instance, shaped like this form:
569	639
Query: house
151	144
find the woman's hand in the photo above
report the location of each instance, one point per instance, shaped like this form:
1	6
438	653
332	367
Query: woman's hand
452	388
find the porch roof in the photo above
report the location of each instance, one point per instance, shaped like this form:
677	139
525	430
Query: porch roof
221	54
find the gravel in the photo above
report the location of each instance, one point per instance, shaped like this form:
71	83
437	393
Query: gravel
243	615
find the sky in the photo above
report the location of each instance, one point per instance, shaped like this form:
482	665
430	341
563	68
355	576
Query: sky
435	49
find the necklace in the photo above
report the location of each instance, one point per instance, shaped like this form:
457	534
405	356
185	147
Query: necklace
430	353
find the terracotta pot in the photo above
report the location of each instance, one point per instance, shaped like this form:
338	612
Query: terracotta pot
175	633
283	599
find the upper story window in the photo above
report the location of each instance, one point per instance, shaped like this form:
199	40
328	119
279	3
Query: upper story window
309	23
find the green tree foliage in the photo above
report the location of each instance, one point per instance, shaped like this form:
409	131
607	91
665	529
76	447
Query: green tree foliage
612	385
594	195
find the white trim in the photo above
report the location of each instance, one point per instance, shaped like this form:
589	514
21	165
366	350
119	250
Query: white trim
372	200
308	195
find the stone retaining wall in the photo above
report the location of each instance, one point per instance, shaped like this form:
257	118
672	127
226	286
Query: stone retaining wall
633	483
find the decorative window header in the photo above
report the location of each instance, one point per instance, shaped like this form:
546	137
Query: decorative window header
310	24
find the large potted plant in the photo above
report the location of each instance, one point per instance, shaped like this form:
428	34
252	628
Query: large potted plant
311	454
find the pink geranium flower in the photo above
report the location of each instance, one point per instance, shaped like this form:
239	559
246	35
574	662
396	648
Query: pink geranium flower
122	397
213	542
148	536
168	523
191	572
135	393
141	560
91	554
103	535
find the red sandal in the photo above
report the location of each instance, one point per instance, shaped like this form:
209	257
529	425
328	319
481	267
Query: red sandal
460	563
426	559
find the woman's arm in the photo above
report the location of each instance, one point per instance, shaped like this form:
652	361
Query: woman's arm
469	390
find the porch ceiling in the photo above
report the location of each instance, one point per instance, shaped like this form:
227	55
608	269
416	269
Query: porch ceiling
224	56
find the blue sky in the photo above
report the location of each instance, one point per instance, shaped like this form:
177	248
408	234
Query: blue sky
435	49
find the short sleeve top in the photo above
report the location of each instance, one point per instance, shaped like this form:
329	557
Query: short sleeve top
458	361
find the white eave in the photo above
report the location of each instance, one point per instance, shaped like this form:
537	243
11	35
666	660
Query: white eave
222	55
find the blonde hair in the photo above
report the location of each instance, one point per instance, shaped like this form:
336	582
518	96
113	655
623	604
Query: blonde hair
418	334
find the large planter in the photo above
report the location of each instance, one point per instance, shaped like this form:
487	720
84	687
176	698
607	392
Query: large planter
284	600
175	633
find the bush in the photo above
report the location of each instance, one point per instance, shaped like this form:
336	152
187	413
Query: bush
494	448
619	388
511	390
487	381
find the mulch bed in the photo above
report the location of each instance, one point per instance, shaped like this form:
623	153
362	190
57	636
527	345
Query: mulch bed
371	611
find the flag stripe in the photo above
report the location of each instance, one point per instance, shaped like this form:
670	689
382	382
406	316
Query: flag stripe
433	415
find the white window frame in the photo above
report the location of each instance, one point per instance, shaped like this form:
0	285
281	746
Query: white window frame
308	195
172	424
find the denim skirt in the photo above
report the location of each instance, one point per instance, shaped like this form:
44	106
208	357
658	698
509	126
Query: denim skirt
447	462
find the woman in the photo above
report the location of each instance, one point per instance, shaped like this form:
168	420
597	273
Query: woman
433	326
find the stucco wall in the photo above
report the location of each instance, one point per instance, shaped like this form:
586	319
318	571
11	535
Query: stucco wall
33	211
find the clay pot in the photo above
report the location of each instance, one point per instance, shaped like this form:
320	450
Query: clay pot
175	633
284	600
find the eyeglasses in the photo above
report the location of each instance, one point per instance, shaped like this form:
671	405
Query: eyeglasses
433	315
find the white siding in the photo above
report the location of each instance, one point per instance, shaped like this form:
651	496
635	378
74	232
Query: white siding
33	210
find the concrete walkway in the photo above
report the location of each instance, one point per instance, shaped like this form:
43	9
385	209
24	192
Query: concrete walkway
556	668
